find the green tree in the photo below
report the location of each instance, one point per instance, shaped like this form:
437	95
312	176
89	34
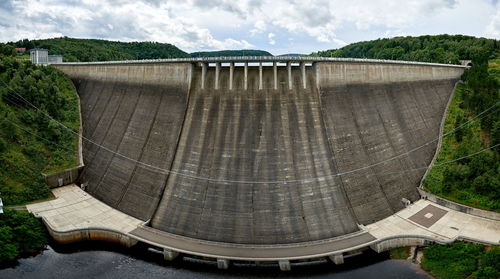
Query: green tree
20	232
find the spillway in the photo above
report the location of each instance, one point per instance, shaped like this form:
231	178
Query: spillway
259	154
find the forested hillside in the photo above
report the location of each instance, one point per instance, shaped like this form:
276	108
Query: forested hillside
243	52
436	49
88	50
30	141
472	124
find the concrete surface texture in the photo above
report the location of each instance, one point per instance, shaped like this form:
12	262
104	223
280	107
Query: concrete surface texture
258	166
74	209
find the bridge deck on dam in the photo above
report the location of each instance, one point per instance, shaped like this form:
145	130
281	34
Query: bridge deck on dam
259	155
75	210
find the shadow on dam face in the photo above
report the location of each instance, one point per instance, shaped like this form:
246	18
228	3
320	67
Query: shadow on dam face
258	166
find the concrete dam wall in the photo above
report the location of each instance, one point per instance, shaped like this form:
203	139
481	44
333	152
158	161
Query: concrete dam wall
266	157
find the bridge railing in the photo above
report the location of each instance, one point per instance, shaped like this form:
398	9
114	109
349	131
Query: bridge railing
227	59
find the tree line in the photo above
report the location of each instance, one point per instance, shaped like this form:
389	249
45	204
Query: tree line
91	50
448	49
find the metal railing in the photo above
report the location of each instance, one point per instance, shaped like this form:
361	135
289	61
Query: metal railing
227	59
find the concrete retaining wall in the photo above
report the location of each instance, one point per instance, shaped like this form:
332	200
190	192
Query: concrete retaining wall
459	207
397	243
64	177
339	74
94	234
152	74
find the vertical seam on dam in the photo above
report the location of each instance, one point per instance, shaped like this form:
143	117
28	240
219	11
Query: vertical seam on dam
179	136
332	154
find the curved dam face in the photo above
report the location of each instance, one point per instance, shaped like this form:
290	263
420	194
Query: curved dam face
244	156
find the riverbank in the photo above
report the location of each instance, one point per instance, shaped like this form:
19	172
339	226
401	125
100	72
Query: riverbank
462	260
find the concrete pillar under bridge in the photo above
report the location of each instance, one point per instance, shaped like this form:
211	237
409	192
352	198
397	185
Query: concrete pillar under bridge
303	70
260	76
203	74
337	258
217	74
275	72
289	69
231	73
222	263
170	255
246	76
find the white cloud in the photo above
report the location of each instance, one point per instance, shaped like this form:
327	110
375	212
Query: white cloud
259	27
118	20
493	28
270	38
223	24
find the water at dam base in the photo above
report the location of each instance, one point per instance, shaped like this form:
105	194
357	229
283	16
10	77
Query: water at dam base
101	260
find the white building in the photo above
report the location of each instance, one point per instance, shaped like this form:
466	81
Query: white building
55	59
39	56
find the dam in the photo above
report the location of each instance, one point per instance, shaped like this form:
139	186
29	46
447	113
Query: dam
244	153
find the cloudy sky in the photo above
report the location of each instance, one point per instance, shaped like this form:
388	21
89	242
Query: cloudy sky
279	26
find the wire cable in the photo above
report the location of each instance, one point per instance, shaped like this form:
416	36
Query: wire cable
166	171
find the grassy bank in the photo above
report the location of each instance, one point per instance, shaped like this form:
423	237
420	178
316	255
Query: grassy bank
462	260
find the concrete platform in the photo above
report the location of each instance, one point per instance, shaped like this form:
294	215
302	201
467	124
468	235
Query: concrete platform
451	226
75	216
75	211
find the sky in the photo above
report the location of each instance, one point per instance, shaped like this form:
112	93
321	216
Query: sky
278	26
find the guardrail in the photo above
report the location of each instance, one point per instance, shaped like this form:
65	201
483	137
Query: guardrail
264	59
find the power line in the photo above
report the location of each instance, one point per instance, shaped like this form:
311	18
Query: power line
166	171
291	181
448	162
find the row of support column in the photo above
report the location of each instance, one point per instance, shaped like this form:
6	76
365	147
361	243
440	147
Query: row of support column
284	265
204	67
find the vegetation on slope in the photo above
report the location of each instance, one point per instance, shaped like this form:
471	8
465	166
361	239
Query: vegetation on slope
401	253
20	233
243	52
473	181
462	260
437	49
88	50
31	142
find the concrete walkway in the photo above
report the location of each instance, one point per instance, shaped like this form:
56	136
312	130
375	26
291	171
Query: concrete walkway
73	210
420	219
